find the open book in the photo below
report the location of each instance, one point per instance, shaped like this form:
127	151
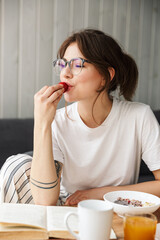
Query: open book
27	221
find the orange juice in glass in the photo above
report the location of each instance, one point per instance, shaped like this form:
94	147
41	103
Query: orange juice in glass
140	227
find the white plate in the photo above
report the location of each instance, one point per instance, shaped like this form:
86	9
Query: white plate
141	196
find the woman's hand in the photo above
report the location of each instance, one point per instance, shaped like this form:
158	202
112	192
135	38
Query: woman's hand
80	195
46	101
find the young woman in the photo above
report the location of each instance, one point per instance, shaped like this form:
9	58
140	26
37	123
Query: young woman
95	144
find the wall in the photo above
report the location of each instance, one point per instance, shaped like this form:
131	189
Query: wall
32	30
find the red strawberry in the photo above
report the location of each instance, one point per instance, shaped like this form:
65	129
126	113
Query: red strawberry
65	85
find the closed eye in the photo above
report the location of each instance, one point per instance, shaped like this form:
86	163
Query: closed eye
78	66
61	65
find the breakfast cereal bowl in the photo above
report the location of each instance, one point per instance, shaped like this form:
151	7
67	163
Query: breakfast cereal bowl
136	202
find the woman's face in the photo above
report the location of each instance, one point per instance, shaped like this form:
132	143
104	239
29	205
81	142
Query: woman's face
84	85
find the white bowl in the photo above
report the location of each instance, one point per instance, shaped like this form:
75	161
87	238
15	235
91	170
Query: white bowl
141	196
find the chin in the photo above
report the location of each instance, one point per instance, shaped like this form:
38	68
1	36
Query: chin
69	99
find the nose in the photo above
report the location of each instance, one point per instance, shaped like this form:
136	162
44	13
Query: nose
66	72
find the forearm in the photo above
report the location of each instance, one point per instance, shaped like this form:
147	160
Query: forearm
43	168
152	187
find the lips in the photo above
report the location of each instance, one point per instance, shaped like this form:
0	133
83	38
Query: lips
65	85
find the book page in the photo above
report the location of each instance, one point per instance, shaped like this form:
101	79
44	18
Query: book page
112	234
23	214
56	215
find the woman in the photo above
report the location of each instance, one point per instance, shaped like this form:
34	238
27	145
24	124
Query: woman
95	144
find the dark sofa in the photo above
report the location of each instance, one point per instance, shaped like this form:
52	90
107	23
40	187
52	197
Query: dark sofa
16	136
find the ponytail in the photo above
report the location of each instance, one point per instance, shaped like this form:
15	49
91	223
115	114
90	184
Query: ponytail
126	77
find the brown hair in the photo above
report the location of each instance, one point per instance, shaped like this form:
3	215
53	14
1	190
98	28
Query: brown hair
104	52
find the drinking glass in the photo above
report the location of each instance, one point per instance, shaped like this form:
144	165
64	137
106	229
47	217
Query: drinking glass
138	227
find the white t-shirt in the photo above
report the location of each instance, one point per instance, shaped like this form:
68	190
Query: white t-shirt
109	154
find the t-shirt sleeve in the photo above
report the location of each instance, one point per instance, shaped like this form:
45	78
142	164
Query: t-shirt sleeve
151	140
57	153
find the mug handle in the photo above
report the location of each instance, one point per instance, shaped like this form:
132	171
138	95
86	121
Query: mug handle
67	225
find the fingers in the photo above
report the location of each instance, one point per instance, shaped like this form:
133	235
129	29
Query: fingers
69	199
57	100
42	90
51	93
54	97
75	198
53	89
74	201
67	203
46	102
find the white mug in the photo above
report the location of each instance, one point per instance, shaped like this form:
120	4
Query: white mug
95	220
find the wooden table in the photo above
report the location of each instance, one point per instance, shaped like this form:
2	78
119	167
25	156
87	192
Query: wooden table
118	225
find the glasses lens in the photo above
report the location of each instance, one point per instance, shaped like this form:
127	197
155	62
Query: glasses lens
76	66
58	65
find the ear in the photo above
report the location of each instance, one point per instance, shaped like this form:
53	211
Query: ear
111	72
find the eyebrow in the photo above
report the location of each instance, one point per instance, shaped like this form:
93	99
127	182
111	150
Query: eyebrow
71	58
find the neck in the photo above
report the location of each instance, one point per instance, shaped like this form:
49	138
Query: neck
93	113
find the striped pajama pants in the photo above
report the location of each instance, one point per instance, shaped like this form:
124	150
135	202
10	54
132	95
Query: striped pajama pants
15	181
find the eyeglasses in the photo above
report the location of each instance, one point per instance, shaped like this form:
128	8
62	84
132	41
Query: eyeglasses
75	65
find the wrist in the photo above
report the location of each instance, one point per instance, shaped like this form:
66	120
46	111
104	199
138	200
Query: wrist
42	138
42	128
